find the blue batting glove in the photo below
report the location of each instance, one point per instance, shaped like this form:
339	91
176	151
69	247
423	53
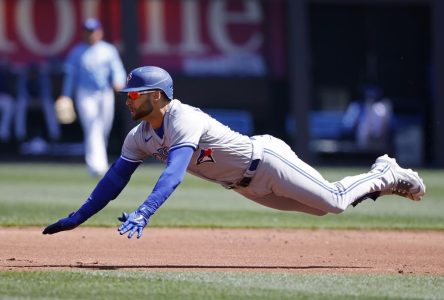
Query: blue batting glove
73	220
133	222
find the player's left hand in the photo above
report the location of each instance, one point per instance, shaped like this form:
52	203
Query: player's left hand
73	220
132	222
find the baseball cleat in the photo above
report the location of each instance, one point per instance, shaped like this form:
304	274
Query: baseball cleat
407	183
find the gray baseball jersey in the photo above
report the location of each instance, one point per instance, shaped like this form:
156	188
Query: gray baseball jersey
281	180
221	155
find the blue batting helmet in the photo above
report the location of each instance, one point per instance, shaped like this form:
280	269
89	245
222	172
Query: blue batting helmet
149	78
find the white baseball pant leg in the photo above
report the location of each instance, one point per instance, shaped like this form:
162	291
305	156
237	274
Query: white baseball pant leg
96	114
283	181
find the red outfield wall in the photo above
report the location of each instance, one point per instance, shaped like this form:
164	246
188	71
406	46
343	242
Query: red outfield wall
190	37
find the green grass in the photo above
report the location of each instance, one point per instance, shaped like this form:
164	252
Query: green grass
215	285
38	194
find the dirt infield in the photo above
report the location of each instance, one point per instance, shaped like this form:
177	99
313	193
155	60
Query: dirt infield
282	250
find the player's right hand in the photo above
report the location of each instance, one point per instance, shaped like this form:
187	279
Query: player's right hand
132	222
73	220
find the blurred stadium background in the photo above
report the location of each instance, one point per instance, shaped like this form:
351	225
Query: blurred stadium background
285	67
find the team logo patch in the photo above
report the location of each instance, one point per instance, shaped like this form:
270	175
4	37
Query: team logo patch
206	155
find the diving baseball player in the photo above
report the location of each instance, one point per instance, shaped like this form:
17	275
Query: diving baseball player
262	168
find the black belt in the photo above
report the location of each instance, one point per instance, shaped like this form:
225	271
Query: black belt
246	180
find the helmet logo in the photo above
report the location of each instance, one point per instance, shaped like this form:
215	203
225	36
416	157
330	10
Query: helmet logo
130	75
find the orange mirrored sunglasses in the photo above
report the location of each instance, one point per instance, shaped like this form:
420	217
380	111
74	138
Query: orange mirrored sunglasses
136	95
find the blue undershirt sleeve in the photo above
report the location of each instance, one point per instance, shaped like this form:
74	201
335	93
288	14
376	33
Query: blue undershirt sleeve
109	187
172	176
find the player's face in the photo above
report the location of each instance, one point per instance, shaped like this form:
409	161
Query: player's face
139	104
92	36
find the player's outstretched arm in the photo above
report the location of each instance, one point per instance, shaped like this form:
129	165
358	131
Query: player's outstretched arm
108	188
172	176
73	220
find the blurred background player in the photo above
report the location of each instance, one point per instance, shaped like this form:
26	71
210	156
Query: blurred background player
368	120
93	69
34	88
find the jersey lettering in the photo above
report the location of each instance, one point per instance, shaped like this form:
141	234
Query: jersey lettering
161	154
